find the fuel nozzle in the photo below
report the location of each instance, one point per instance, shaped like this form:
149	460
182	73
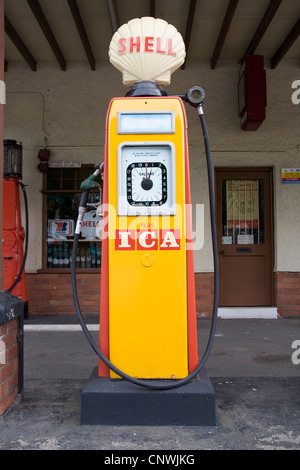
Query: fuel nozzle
89	182
85	187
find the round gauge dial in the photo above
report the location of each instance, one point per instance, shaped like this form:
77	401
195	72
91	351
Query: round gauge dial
146	178
146	184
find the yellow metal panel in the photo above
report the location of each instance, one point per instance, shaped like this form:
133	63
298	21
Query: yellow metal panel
147	288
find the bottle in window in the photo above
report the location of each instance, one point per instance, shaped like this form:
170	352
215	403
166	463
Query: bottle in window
77	260
93	256
55	257
98	254
82	258
66	261
60	257
88	259
70	255
49	256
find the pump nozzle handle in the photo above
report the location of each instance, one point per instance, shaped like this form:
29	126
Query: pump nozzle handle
88	184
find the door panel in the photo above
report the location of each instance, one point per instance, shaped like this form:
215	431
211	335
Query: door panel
245	236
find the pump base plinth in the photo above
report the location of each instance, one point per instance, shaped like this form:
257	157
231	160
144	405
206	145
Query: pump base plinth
118	402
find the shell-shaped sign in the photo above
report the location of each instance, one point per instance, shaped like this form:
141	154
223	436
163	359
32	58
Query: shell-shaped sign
147	49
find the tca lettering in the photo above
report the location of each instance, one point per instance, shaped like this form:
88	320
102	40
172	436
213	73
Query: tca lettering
147	239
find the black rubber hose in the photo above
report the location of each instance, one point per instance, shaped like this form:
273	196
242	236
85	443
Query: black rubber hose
173	383
213	222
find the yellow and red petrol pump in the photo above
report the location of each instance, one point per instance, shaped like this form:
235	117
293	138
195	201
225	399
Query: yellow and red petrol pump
148	330
150	273
13	234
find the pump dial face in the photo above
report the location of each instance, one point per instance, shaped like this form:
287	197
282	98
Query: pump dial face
146	178
147	184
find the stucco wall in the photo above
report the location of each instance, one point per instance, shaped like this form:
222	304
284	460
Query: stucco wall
69	108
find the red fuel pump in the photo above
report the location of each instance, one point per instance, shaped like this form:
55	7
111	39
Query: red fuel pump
13	235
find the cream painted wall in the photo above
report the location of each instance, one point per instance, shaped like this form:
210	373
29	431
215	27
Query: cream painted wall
69	108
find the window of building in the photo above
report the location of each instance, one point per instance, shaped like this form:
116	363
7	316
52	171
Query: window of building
243	212
61	200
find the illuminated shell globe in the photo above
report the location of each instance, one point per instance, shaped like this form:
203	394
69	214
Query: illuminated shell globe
147	49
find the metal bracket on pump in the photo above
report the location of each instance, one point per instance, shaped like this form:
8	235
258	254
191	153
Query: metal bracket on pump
195	96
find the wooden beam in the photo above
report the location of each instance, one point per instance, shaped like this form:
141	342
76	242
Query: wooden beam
82	33
189	27
44	25
286	44
262	27
20	45
223	32
113	15
152	8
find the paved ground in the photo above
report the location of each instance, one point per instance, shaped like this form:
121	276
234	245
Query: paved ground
257	388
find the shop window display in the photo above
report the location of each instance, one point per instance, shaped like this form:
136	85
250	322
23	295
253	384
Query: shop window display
61	200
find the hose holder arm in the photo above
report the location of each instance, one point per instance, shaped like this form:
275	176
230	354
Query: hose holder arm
195	97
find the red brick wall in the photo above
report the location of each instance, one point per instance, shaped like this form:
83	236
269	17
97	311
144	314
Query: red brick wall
52	293
204	285
288	294
9	364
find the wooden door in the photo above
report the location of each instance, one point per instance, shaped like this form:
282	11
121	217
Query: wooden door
245	236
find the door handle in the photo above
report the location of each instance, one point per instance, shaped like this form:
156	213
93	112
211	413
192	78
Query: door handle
221	252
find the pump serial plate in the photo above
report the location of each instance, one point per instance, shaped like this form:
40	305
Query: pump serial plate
146	178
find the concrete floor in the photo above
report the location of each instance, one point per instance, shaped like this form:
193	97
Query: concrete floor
256	383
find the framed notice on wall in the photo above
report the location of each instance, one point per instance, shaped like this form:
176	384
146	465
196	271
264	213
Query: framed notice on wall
290	175
242	204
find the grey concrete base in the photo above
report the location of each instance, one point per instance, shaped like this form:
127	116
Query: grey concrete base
119	402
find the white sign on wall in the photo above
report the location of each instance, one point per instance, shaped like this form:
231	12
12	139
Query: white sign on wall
290	175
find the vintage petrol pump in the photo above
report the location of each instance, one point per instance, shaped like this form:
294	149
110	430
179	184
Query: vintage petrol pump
148	331
13	232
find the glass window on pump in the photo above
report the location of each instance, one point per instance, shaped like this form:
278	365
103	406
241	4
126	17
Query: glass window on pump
61	215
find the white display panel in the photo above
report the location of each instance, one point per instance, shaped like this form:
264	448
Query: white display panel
146	178
159	122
